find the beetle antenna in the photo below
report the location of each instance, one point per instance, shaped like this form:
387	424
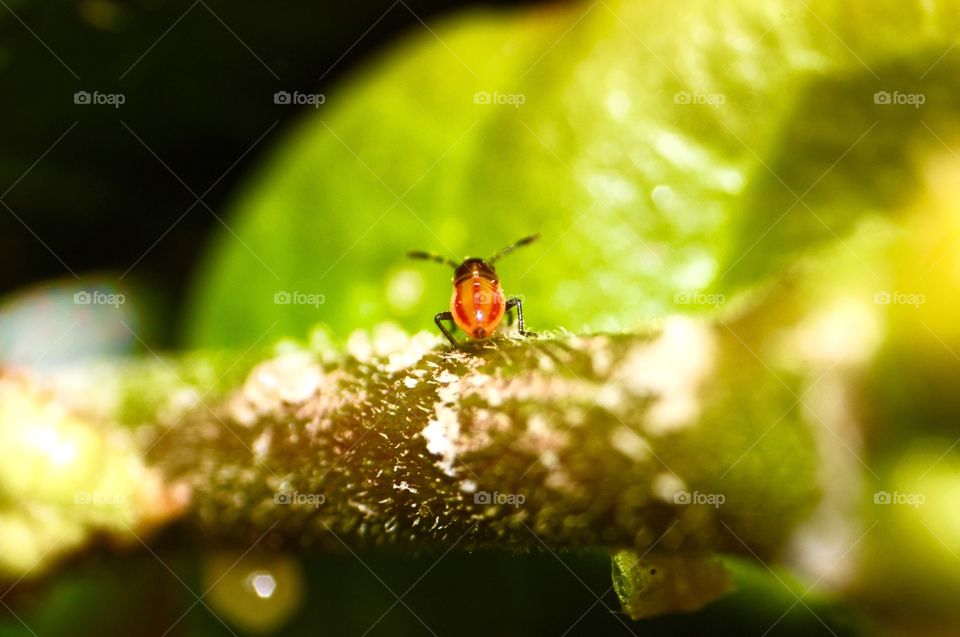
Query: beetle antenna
513	246
429	256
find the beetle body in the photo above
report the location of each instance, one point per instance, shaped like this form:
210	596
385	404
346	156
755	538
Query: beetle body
477	304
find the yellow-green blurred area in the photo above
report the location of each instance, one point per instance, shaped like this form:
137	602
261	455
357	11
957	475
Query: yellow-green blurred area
785	170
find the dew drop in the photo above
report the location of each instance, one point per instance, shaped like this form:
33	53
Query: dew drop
258	593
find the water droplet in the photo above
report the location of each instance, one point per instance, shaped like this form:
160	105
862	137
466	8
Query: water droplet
262	583
662	197
258	593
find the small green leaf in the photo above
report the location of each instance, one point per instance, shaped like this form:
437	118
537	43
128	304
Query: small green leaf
657	584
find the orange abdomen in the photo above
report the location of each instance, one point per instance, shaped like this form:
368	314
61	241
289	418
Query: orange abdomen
477	305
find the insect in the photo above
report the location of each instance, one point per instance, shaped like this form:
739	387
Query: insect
477	304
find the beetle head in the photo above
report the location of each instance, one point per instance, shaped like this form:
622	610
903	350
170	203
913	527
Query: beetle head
470	266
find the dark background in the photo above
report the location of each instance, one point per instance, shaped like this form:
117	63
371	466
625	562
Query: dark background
199	79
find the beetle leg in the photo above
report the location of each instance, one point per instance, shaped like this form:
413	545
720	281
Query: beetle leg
445	316
515	302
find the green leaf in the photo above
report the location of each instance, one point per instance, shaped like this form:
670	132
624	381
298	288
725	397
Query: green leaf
651	585
643	202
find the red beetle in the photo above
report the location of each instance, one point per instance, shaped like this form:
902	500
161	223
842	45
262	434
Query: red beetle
478	304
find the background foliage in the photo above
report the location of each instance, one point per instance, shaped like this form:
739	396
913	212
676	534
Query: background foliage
722	159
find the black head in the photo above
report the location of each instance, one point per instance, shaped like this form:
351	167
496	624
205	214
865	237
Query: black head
472	266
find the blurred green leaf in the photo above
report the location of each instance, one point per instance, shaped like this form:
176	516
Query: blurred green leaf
655	585
659	149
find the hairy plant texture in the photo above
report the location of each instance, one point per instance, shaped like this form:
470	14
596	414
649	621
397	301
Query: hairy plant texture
619	441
